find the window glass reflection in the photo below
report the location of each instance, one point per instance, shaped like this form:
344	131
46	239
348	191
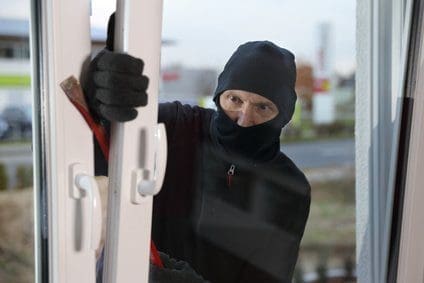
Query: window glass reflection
16	168
319	140
226	213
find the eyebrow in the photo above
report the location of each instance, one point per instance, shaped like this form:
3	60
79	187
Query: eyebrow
266	103
269	104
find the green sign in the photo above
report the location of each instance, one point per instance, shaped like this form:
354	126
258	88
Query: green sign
7	81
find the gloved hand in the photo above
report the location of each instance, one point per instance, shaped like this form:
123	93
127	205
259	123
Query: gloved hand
113	83
175	271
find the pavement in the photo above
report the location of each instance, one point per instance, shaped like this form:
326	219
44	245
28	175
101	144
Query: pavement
320	160
324	153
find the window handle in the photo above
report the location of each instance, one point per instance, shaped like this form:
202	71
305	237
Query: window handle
148	182
92	209
160	156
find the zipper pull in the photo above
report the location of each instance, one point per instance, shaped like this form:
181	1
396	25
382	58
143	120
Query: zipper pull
230	174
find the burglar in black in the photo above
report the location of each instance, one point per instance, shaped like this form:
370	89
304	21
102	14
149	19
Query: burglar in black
232	205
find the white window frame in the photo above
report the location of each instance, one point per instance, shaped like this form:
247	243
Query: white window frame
138	150
60	39
382	34
63	148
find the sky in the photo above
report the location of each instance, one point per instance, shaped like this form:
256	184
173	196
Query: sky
206	32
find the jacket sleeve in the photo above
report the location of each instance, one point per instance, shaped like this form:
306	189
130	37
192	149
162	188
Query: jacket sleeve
182	122
168	113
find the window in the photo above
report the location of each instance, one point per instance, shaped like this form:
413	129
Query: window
16	164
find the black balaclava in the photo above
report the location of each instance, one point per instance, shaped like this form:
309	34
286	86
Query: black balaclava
263	68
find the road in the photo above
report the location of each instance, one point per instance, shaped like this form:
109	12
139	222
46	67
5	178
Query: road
306	155
321	153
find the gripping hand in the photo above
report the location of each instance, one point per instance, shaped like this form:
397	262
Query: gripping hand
114	86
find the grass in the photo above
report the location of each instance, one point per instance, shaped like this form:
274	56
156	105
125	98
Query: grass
307	131
16	236
332	214
330	231
329	237
15	142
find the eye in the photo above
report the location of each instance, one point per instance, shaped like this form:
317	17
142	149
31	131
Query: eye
266	111
264	107
234	99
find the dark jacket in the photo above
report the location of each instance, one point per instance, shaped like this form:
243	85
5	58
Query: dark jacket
240	227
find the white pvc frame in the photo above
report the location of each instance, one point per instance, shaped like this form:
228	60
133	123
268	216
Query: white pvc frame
382	31
60	39
138	151
67	214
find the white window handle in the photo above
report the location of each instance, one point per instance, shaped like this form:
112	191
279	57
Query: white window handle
91	233
144	182
160	157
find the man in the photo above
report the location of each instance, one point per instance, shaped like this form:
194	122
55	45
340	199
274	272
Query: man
232	205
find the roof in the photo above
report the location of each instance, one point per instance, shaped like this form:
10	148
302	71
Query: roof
20	28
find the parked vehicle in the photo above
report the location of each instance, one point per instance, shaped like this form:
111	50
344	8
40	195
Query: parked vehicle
4	128
16	123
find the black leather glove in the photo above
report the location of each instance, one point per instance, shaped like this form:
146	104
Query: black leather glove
113	83
175	271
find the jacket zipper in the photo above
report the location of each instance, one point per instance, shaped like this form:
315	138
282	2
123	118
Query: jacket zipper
230	174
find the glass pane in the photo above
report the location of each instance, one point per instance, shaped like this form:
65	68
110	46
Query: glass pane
229	219
224	223
16	166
